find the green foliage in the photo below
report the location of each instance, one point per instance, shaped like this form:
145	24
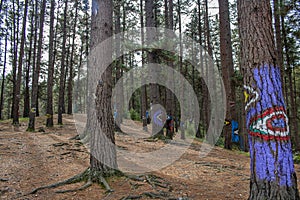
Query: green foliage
220	142
23	119
296	158
190	130
134	115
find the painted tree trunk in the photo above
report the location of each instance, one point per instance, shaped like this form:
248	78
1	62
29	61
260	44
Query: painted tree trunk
272	168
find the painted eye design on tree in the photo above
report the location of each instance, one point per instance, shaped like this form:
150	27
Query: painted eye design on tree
272	124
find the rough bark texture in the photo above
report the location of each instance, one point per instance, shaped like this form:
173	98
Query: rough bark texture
3	76
144	87
154	88
103	152
120	93
293	104
61	101
227	67
71	73
49	122
20	67
36	74
272	169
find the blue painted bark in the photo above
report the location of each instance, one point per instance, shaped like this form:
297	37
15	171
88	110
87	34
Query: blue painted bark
269	137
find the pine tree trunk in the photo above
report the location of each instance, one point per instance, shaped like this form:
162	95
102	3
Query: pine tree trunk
35	81
144	87
3	75
20	67
49	114
151	57
293	105
71	74
119	64
14	46
29	57
62	68
227	67
103	152
272	169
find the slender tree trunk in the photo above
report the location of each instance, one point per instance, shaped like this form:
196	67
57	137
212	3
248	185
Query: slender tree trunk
293	113
183	121
20	67
14	47
227	67
3	76
71	74
154	89
279	47
35	81
144	87
272	169
49	121
170	99
120	98
29	57
62	68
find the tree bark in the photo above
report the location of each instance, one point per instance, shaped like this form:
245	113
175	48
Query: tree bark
103	152
49	114
227	67
71	74
293	104
154	89
144	87
20	67
3	74
29	58
35	81
272	168
62	68
120	98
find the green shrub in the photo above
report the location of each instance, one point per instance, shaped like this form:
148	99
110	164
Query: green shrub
190	130
297	158
134	115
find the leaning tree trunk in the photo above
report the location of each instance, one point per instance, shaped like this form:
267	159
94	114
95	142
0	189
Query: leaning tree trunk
103	152
272	169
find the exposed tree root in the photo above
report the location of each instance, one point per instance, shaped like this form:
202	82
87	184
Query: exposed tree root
86	185
88	176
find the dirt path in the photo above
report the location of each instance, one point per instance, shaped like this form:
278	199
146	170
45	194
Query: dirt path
30	160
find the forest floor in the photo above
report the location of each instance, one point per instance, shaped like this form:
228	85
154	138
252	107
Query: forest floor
30	160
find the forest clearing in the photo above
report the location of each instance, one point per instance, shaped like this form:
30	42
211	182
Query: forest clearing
29	160
149	99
